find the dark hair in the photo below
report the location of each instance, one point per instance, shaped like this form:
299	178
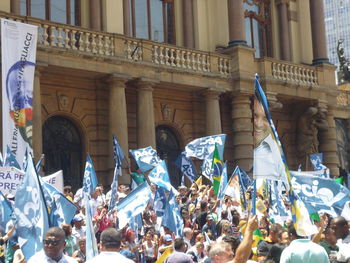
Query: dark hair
234	242
275	252
179	243
57	232
224	214
111	238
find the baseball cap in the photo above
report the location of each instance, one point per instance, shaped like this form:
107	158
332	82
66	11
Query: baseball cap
168	237
78	218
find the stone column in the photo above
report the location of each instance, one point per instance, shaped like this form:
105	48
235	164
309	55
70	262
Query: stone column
242	131
95	15
236	22
126	17
188	24
284	37
328	145
16	7
318	30
146	135
118	119
37	121
213	118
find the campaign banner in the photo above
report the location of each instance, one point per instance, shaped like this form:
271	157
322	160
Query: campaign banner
18	54
55	179
10	179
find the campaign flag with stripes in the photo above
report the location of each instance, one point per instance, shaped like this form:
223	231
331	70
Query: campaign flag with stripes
146	158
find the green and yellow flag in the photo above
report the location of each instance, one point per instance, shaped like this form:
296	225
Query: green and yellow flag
217	170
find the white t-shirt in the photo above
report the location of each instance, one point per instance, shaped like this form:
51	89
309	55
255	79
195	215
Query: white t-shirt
110	257
42	258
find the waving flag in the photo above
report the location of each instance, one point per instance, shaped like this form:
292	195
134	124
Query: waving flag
233	187
223	182
5	212
186	166
133	204
159	176
1	160
31	213
91	244
118	157
90	179
278	211
203	149
38	164
160	201
146	158
172	218
217	170
11	160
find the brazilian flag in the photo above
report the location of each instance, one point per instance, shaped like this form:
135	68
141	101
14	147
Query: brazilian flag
217	167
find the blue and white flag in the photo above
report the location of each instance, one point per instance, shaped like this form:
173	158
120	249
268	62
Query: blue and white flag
5	212
133	204
146	158
160	201
31	213
10	159
90	179
118	157
159	176
320	173
223	182
245	180
38	164
1	160
172	218
317	161
61	210
186	166
278	210
203	149
321	194
91	243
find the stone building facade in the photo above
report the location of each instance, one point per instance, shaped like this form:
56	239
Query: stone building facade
165	82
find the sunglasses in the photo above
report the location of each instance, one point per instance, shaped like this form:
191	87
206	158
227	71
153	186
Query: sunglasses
51	242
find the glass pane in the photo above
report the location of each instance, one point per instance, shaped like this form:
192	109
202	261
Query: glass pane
141	18
157	20
170	23
38	9
23	6
59	11
253	8
257	39
73	11
248	33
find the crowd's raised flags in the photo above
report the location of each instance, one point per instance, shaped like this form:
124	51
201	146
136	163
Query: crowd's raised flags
10	159
18	49
159	176
91	243
223	182
5	212
146	158
203	149
90	180
172	218
186	166
320	173
254	198
217	167
38	164
133	204
199	181
55	179
31	213
1	160
11	179
244	183
118	156
118	153
160	201
278	212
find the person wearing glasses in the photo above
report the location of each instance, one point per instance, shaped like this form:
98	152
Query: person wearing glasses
53	246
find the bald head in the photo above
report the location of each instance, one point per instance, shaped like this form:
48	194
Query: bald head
340	227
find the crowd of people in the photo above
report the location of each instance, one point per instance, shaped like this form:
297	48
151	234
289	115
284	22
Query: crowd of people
214	230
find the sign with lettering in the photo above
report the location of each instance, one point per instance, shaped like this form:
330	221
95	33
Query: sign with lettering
10	179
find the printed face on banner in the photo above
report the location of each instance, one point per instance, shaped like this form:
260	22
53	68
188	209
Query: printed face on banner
261	125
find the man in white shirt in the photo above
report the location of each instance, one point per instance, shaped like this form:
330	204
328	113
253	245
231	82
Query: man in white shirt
109	245
78	230
53	246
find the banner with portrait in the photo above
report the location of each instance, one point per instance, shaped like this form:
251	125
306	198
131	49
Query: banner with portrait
18	53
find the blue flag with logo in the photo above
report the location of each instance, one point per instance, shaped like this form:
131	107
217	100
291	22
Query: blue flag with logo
203	149
61	210
146	158
245	180
186	166
91	243
10	159
5	212
172	218
277	211
133	204
160	202
159	176
90	179
118	157
117	150
223	182
31	213
317	161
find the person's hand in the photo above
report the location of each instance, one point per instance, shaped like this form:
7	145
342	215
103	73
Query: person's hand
252	223
323	222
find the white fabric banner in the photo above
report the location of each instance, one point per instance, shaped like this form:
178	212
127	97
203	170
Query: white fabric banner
18	54
55	179
10	179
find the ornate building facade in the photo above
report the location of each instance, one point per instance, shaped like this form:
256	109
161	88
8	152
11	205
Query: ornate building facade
163	72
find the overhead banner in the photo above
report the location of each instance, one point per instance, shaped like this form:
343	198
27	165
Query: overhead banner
18	54
10	179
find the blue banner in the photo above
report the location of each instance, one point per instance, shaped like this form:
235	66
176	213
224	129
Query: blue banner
146	158
91	244
186	166
118	157
317	161
11	160
172	218
159	176
90	179
160	202
31	213
5	212
223	182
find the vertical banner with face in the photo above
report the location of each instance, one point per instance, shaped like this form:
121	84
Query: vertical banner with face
18	53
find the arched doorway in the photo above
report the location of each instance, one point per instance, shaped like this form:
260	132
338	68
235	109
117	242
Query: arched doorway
168	148
62	147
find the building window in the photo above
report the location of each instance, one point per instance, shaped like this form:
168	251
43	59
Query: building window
153	19
258	26
62	11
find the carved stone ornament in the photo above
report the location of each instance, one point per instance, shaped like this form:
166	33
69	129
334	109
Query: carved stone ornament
63	100
165	111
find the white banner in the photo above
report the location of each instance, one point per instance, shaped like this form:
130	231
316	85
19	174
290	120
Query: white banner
55	179
18	53
10	179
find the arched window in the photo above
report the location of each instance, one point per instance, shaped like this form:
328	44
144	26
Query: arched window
61	11
62	147
168	148
153	19
258	26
